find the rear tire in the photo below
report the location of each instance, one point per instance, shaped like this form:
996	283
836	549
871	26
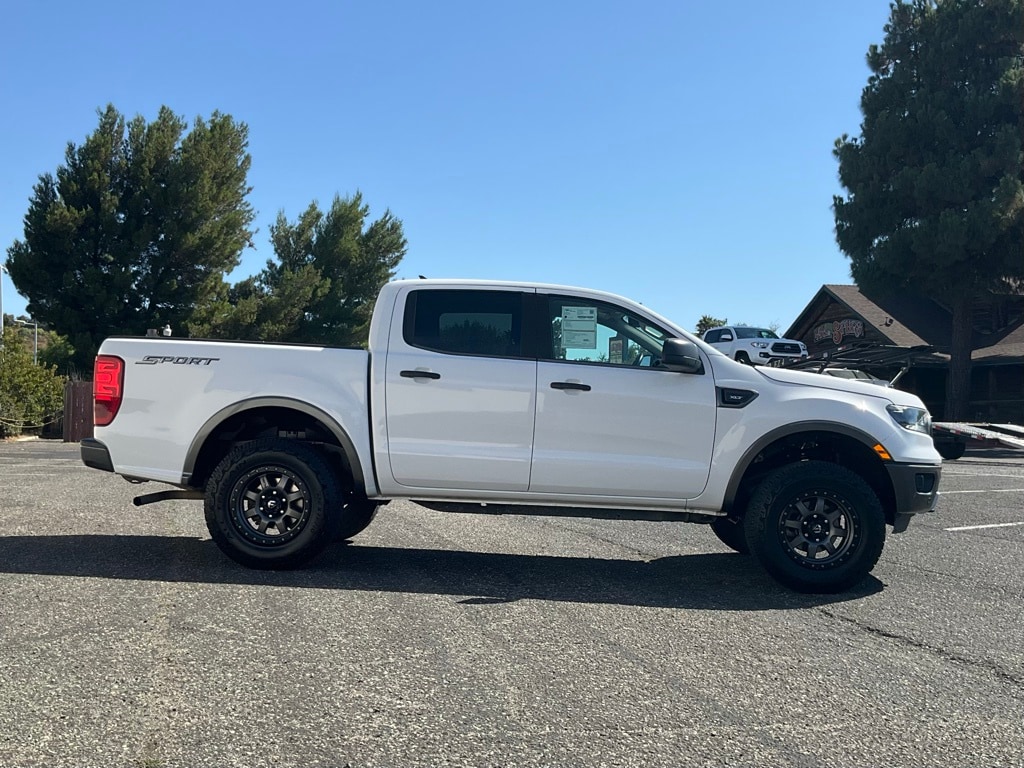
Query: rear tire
732	534
816	527
273	503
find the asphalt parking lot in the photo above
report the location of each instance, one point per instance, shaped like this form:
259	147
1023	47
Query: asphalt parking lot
463	640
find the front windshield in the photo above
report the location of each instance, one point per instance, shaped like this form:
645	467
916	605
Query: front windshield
755	333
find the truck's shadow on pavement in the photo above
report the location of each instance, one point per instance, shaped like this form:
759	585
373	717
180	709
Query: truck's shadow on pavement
706	581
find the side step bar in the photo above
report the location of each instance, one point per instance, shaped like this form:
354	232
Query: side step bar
153	498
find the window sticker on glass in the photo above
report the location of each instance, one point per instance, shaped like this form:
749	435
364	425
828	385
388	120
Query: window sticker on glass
579	327
615	351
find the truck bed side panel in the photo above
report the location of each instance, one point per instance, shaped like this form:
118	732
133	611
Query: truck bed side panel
173	388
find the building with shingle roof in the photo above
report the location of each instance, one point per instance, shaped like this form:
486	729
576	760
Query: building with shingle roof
887	334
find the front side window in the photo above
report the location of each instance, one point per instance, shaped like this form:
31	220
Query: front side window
587	331
712	336
465	322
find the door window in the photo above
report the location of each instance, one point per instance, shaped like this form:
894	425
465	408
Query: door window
486	323
586	331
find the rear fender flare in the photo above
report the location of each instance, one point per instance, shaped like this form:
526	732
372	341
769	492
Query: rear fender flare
339	433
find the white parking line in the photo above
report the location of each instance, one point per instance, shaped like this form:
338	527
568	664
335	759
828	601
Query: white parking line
984	490
40	462
42	473
946	472
978	527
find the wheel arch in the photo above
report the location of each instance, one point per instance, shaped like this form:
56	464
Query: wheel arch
824	441
261	416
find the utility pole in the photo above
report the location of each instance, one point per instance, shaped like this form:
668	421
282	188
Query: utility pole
2	270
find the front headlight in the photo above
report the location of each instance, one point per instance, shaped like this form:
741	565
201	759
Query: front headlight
759	344
909	417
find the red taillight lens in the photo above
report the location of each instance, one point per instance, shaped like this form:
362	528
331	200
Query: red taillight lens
107	388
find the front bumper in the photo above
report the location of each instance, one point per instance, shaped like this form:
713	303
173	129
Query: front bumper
96	455
916	487
769	356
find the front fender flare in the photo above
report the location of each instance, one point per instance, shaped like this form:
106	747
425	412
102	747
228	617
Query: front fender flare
751	453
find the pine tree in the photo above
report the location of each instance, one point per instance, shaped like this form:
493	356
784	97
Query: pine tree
136	229
322	284
935	181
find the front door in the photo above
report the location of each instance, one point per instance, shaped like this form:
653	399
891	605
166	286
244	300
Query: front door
609	422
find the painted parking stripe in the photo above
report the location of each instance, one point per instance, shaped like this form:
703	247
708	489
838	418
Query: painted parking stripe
984	490
979	527
30	474
946	472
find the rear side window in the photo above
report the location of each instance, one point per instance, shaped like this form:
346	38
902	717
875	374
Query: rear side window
465	322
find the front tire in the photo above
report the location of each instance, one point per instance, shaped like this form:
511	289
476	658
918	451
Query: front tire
273	503
356	516
816	527
743	357
732	534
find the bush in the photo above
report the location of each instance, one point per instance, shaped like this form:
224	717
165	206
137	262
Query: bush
31	396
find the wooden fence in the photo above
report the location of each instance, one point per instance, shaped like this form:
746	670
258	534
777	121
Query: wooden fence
77	411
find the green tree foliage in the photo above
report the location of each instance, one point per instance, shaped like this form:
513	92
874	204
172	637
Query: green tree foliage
707	322
56	351
30	395
353	260
321	288
136	229
935	182
51	349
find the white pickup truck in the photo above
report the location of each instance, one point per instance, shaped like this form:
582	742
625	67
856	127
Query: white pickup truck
515	398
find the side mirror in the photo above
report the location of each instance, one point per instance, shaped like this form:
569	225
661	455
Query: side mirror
682	356
726	336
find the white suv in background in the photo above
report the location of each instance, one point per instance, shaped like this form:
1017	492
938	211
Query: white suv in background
754	346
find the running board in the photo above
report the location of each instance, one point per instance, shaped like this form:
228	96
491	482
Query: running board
153	498
594	513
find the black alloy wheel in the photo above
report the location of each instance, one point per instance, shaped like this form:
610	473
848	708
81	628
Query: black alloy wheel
273	503
818	528
270	505
815	526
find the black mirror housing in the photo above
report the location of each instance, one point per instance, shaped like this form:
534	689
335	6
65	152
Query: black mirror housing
682	356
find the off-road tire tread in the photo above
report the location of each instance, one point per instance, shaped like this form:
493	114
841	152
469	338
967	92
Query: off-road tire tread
762	538
327	498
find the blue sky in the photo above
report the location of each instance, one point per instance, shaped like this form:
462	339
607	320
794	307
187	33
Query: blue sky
679	153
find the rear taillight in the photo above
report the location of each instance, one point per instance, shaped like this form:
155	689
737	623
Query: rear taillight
107	388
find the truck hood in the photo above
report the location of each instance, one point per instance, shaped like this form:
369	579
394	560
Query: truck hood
806	378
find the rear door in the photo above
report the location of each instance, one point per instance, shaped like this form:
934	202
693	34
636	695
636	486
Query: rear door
609	422
459	395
